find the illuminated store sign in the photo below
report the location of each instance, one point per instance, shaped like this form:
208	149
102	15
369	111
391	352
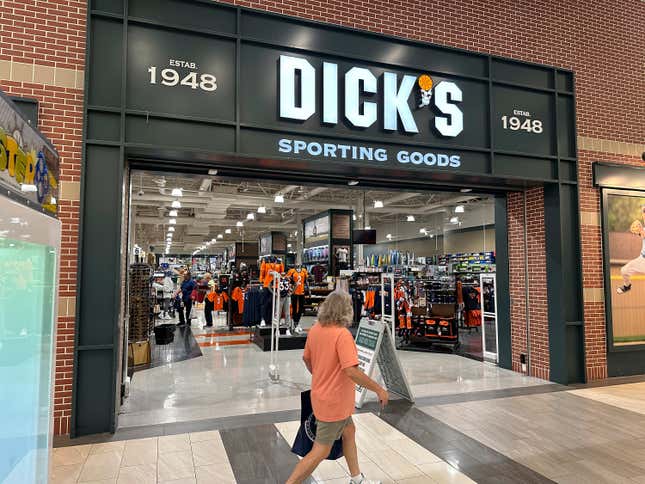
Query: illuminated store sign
299	101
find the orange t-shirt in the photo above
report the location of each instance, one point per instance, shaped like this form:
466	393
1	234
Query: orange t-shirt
238	295
331	349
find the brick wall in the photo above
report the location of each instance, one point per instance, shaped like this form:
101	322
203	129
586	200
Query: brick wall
537	303
42	56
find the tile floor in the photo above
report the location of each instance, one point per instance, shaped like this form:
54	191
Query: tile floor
630	396
231	380
559	435
184	458
384	454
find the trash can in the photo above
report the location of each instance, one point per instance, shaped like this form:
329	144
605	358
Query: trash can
164	334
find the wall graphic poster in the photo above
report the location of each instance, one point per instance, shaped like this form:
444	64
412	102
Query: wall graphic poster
625	227
28	163
316	230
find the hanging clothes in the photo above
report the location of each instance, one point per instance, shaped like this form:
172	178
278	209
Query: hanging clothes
252	306
219	300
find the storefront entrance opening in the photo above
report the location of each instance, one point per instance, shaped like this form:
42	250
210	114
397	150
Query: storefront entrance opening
424	258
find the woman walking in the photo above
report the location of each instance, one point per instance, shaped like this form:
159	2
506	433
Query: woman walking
332	359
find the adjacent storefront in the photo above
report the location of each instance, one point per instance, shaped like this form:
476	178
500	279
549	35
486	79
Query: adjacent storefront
215	89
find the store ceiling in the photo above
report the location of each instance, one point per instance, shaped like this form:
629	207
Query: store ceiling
210	205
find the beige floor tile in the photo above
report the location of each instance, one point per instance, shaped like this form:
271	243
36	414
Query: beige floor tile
216	473
100	467
175	465
209	452
362	460
174	443
64	456
413	452
189	480
143	474
418	480
329	469
65	474
376	473
106	447
203	436
342	480
395	465
445	473
139	452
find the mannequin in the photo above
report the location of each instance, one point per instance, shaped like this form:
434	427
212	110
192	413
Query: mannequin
298	276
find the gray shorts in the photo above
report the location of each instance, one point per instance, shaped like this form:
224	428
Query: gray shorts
328	432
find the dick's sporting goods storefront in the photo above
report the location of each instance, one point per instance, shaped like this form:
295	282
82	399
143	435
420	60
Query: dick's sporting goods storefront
198	87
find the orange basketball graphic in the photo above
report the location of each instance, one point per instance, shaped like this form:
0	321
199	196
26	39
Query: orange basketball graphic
425	82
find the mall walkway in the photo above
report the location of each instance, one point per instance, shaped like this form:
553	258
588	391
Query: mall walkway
535	434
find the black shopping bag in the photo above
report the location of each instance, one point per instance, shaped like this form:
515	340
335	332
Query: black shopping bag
307	431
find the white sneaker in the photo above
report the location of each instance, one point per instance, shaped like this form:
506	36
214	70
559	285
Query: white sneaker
263	323
288	333
298	330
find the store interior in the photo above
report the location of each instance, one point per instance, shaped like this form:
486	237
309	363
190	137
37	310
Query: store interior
423	261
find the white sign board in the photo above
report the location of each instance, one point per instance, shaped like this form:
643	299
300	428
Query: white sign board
375	347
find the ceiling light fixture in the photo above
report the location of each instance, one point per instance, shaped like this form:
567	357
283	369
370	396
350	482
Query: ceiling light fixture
220	236
239	224
250	216
378	204
367	227
172	221
177	192
278	198
388	236
423	231
289	246
171	229
212	172
262	209
354	217
459	209
454	220
227	231
411	218
173	213
466	190
352	183
176	204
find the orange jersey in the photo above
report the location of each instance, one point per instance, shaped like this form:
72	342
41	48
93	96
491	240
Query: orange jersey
218	299
299	279
238	296
268	268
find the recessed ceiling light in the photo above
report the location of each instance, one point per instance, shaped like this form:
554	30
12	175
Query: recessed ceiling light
262	209
411	218
278	199
454	220
388	236
459	209
220	236
173	213
423	231
171	229
352	183
378	204
239	224
177	192
466	190
250	216
367	227
227	231
212	172
172	221
176	204
289	246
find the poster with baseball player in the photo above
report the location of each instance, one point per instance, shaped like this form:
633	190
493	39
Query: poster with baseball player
626	244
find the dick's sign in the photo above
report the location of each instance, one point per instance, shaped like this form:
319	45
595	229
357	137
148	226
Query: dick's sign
362	105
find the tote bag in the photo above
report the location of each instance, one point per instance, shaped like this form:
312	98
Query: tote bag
307	431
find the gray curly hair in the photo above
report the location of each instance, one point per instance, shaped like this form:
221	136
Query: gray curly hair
336	310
